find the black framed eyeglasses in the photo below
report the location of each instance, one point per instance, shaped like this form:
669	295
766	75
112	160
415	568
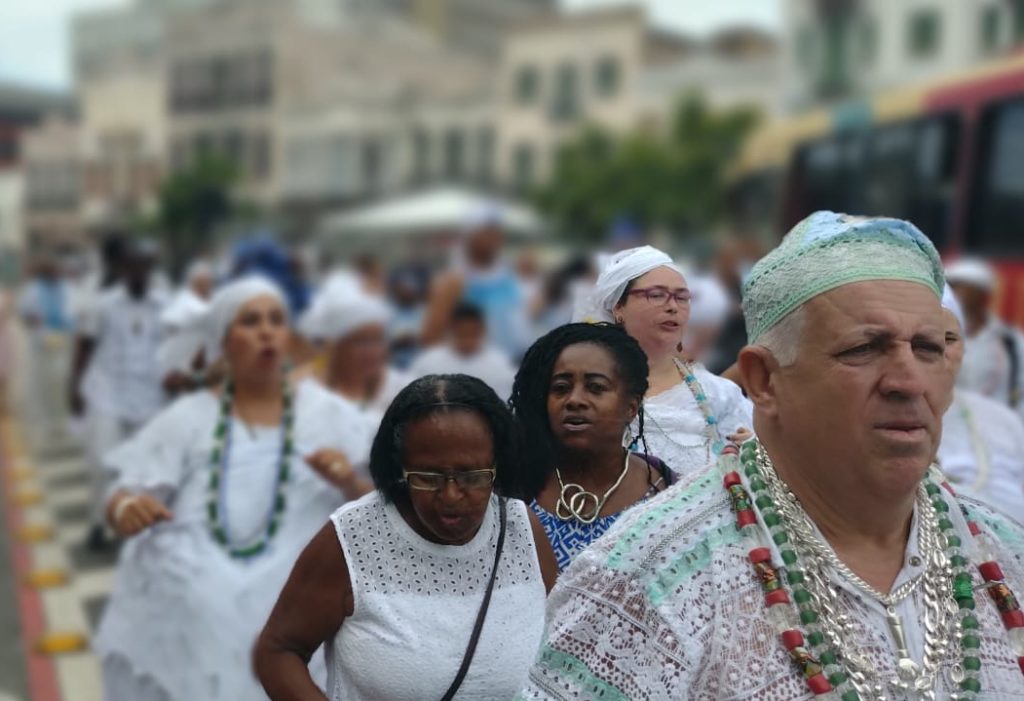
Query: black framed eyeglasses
424	481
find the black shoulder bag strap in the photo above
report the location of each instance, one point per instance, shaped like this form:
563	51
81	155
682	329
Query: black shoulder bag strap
1010	344
482	614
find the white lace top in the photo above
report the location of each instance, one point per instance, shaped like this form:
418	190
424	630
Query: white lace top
674	424
416	602
666	606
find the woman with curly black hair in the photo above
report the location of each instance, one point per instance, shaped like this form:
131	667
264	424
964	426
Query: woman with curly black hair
398	584
576	394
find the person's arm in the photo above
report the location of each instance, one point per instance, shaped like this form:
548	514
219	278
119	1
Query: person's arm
130	514
444	295
85	346
545	555
311	608
335	467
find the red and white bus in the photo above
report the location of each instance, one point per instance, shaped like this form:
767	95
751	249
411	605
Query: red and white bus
947	155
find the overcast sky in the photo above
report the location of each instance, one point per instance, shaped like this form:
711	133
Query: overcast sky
34	33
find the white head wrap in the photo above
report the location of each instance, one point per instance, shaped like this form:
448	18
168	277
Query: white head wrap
224	307
711	304
617	272
949	301
972	271
341	307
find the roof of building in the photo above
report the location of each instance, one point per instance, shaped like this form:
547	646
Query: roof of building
24	104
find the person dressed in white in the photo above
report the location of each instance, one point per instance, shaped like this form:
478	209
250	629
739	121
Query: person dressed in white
710	310
825	559
117	379
217	496
688	412
353	324
982	449
399	583
993	362
467	352
180	348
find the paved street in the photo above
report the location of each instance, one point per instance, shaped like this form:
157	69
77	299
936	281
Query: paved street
45	509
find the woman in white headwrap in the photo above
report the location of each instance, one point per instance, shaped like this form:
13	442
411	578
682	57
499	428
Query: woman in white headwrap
217	496
688	412
353	324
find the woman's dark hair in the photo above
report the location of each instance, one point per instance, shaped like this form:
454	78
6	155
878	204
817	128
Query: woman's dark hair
530	390
435	394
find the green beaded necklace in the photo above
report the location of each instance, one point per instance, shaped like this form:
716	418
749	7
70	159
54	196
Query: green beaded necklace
820	663
216	505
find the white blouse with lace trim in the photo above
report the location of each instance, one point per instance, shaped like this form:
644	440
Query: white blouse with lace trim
416	603
674	424
666	606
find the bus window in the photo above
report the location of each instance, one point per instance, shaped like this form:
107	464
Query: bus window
905	170
935	171
830	175
889	179
998	204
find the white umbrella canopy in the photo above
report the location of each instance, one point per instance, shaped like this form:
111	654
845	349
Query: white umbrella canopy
430	212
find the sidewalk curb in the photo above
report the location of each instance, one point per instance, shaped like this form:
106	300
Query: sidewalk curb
42	673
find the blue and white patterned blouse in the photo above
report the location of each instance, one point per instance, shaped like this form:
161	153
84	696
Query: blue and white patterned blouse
571	537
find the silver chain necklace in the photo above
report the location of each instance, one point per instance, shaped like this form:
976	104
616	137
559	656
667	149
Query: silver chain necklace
941	623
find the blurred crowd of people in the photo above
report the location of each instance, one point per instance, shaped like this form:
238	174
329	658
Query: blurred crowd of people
226	421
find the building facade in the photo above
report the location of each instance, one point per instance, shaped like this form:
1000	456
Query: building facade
836	49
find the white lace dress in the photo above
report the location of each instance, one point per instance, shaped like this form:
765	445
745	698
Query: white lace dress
666	606
675	426
416	602
183	615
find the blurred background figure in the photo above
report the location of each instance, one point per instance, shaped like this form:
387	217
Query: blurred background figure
117	383
264	256
993	359
982	449
180	352
44	307
407	288
559	291
467	350
711	308
481	276
352	324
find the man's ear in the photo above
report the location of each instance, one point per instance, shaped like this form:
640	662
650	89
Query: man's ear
757	367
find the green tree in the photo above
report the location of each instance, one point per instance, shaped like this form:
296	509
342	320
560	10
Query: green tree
193	203
674	180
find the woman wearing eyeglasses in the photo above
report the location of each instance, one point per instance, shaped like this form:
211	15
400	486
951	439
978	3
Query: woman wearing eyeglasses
399	584
688	412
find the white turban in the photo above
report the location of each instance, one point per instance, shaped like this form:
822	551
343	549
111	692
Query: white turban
616	273
224	308
341	307
972	271
949	301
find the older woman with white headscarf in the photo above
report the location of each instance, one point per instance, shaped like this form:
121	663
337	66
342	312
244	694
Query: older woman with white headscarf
217	496
353	324
688	412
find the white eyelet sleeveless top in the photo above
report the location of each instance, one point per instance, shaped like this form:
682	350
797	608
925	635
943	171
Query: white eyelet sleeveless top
415	603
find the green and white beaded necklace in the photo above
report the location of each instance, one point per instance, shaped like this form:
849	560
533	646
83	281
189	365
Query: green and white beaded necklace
831	667
216	503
